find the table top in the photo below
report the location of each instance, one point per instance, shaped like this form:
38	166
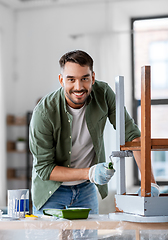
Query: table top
92	222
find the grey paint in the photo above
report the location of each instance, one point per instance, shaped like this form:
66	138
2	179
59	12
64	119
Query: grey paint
120	133
145	206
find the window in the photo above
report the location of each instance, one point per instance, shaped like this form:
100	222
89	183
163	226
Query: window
158	57
150	47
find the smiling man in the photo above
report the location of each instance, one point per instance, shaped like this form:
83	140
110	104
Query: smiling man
77	82
66	138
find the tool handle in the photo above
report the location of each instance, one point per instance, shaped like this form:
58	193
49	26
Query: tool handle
110	165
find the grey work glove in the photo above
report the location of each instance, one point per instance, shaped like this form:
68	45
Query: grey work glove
100	173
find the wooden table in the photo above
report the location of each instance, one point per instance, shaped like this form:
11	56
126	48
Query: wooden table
65	227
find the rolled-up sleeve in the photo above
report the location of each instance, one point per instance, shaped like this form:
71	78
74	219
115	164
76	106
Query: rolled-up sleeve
131	129
42	145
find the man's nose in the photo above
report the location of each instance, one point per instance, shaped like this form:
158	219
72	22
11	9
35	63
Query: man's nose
78	85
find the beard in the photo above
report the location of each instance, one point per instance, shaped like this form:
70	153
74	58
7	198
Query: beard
78	102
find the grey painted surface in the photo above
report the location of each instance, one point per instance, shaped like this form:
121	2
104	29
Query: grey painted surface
145	206
120	133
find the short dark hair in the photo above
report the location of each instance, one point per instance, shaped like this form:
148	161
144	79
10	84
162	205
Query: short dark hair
77	56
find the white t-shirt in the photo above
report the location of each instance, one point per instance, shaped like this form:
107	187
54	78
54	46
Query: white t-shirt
82	147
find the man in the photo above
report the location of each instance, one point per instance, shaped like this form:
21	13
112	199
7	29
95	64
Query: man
66	138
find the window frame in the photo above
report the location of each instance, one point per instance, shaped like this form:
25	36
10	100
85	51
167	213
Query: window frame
135	102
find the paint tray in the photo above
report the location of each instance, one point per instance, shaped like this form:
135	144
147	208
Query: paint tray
69	213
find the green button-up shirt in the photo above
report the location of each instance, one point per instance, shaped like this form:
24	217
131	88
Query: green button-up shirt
50	136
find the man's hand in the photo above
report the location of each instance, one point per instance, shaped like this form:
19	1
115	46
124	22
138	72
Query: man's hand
100	173
154	190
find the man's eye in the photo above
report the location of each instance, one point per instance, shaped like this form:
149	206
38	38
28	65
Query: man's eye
71	80
85	79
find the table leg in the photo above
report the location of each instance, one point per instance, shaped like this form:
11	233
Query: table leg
66	235
137	235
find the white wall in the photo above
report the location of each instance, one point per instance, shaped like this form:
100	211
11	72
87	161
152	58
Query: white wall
41	36
103	29
6	88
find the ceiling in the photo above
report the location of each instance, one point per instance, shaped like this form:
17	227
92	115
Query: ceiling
22	4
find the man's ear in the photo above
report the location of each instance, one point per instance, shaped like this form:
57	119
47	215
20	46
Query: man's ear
61	79
93	78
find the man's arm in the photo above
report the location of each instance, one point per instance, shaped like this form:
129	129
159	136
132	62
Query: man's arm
98	173
65	174
137	155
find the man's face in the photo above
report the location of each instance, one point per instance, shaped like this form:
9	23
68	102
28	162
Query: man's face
77	82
